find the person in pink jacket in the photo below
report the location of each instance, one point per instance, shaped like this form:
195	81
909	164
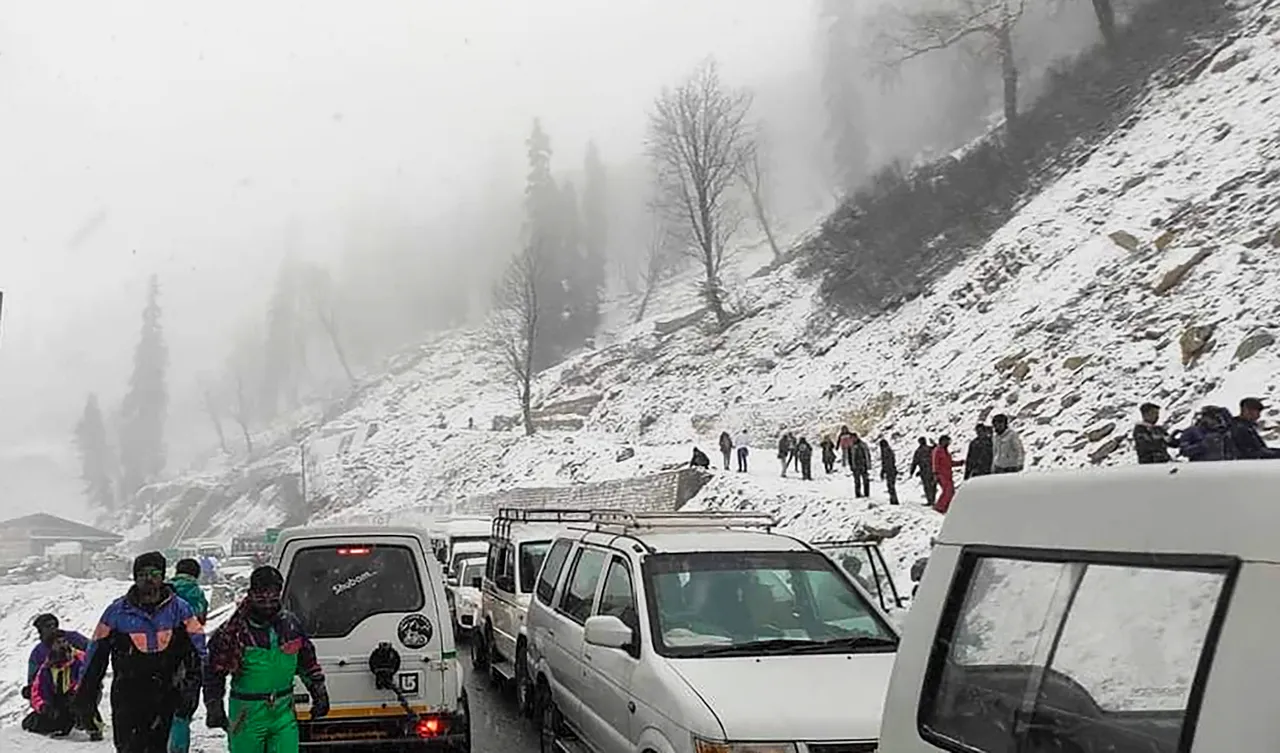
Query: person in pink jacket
943	464
51	691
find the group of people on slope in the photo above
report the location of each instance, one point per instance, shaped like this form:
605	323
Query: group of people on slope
1213	435
994	449
153	636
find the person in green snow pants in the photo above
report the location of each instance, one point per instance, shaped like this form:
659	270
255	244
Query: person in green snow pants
261	648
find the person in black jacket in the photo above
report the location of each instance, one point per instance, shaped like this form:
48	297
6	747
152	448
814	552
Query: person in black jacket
978	461
1244	433
1150	439
861	468
700	459
828	454
889	470
922	461
726	448
804	456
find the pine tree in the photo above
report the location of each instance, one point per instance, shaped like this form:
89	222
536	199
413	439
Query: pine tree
542	203
145	405
95	456
595	224
582	293
842	77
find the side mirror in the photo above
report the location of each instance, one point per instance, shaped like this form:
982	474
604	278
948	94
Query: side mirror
477	582
607	631
451	582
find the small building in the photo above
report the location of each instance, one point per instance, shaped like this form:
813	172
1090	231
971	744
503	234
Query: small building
34	534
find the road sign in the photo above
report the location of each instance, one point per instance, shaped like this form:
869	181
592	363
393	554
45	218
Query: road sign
273	535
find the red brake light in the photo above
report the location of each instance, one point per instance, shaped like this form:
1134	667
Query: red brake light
354	550
430	726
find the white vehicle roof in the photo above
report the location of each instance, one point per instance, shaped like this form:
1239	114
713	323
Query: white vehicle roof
464	547
521	532
1226	508
694	531
347	533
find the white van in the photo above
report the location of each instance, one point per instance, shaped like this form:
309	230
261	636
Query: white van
1128	609
373	602
451	537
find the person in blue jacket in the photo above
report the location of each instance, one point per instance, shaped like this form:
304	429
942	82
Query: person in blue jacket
47	627
156	647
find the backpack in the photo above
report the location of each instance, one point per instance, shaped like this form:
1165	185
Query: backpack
1209	438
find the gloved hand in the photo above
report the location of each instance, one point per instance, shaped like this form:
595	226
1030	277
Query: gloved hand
319	703
215	716
26	692
179	735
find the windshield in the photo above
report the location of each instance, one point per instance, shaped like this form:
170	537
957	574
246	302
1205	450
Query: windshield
333	589
471	570
744	603
465	551
532	553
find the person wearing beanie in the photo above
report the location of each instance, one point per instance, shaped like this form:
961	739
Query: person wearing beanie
156	648
54	686
261	648
186	583
46	626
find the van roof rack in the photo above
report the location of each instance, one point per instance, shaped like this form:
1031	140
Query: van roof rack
507	516
628	521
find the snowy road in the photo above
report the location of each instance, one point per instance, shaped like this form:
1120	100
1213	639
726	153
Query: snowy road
495	728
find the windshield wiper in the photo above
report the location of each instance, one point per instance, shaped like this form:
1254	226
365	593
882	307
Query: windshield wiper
796	646
852	642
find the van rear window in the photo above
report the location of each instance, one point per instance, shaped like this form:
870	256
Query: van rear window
1073	654
333	589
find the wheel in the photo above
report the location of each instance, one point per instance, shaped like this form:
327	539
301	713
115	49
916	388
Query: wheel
491	649
548	721
465	745
479	653
524	688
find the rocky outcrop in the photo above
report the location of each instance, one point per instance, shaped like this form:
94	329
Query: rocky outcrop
1249	346
1194	342
1175	276
1126	240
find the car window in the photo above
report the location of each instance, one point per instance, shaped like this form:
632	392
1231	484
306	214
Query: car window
550	574
617	598
471	570
334	588
506	567
531	555
1096	656
581	590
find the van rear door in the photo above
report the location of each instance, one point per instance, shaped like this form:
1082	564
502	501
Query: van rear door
352	595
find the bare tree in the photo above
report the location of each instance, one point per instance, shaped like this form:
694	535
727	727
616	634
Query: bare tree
1106	14
324	302
698	135
215	415
513	328
241	409
657	262
989	22
754	176
243	368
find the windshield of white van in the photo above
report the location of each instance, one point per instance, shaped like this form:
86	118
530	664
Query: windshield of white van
754	603
532	553
334	588
1053	655
472	570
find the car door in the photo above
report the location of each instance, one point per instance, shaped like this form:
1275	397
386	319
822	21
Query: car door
608	705
573	607
506	605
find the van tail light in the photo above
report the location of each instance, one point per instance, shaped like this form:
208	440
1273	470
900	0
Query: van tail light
354	551
430	726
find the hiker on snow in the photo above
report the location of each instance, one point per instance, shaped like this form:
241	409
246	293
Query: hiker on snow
943	463
261	648
155	644
828	454
1007	454
186	583
786	448
922	461
978	461
1211	437
46	626
1249	444
845	442
743	443
861	468
804	457
1150	439
889	470
54	686
726	447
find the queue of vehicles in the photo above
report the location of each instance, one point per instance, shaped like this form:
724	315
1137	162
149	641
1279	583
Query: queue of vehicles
1071	612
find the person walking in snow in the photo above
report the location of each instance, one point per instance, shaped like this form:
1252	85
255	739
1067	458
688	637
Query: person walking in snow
1007	454
978	460
828	454
743	443
845	442
1150	439
261	648
861	462
1244	433
804	458
943	463
889	470
186	583
155	686
786	448
922	463
726	448
54	687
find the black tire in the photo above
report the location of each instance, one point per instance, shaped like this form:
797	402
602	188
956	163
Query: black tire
548	720
524	687
465	745
479	653
491	650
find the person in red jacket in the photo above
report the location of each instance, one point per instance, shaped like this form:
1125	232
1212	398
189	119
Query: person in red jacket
942	465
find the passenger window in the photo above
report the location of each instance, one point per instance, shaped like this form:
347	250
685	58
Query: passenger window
1048	656
491	562
583	579
506	579
617	598
551	570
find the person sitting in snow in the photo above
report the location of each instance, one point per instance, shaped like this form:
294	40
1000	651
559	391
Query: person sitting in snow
54	686
46	626
186	583
700	459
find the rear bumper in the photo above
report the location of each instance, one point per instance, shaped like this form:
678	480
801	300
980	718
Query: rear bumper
444	742
372	731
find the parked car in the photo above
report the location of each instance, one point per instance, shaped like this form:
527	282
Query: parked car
464	595
1121	609
237	569
703	633
373	601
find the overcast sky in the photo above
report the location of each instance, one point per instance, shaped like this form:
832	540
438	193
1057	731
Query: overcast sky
184	138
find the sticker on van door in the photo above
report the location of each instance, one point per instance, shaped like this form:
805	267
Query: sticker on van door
415	631
407	682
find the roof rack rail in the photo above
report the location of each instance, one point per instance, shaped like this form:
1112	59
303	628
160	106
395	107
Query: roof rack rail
507	516
627	520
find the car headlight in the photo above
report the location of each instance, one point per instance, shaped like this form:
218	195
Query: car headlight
721	746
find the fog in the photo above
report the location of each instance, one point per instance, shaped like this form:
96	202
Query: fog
204	143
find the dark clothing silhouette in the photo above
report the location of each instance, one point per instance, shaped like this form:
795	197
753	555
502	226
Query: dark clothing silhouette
978	461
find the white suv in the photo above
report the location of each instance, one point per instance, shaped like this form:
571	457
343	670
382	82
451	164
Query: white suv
518	543
703	633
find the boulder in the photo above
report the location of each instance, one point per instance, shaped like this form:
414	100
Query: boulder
1100	432
1194	342
1176	275
1074	362
1108	447
1069	400
1021	370
626	453
1009	361
1125	240
1164	240
874	532
1252	344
